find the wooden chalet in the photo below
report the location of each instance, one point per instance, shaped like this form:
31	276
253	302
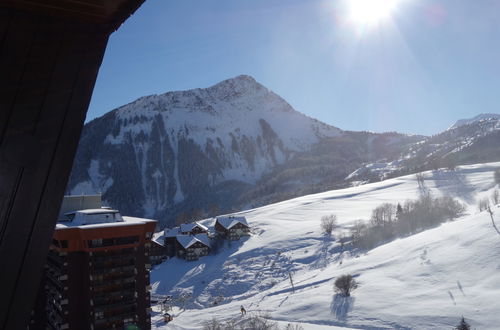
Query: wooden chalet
232	227
157	252
170	239
192	247
193	228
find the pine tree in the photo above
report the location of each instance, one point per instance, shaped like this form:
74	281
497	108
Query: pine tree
463	325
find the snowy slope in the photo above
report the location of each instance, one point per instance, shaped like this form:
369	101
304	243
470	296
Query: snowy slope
425	281
475	119
469	141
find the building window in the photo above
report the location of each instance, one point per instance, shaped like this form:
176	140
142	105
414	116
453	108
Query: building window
64	244
101	242
126	240
95	242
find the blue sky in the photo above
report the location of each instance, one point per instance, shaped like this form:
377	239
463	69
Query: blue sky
426	65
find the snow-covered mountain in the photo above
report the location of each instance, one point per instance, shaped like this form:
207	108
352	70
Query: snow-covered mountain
238	145
466	142
149	155
425	281
483	116
230	145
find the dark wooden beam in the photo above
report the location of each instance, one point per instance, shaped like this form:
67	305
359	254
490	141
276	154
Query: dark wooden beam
110	12
48	67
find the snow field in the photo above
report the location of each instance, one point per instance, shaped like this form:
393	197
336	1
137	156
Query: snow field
425	281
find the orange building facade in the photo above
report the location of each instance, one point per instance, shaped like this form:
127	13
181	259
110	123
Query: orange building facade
97	273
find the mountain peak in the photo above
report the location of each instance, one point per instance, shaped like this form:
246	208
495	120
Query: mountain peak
237	85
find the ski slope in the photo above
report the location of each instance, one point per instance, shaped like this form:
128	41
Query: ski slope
425	281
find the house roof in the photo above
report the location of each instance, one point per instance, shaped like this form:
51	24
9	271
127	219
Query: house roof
187	227
188	240
172	232
84	220
230	221
159	237
203	238
91	217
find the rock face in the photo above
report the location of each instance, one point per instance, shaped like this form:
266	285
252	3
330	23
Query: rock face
201	147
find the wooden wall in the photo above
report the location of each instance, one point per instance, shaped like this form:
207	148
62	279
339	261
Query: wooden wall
48	67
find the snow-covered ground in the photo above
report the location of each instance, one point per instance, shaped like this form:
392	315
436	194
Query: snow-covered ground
425	281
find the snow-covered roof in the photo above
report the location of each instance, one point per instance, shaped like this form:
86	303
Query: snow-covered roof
103	210
229	222
89	220
172	232
159	237
187	240
92	217
187	227
203	238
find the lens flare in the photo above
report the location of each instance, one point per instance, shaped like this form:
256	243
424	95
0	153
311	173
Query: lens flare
370	12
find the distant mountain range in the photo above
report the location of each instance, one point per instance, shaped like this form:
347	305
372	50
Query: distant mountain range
234	145
481	117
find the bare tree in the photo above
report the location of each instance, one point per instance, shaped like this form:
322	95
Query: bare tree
183	299
483	204
358	233
495	197
260	323
329	223
383	215
345	284
213	324
420	180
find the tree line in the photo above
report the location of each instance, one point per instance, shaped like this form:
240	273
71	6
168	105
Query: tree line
389	221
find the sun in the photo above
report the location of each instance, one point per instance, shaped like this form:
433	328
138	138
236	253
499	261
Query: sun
370	12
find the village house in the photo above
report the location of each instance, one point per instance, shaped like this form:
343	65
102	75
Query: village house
232	227
170	240
193	228
157	252
192	247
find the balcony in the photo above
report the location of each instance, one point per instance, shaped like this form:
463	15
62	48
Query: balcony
110	301
104	271
104	283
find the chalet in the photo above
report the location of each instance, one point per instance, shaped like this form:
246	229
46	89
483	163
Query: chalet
192	247
232	227
193	228
157	252
170	240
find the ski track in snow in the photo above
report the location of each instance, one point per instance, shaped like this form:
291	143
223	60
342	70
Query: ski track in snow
425	281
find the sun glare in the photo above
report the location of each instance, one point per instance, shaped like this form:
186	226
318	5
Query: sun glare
370	12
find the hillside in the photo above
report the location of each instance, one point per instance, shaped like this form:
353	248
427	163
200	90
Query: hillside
469	141
193	152
425	281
